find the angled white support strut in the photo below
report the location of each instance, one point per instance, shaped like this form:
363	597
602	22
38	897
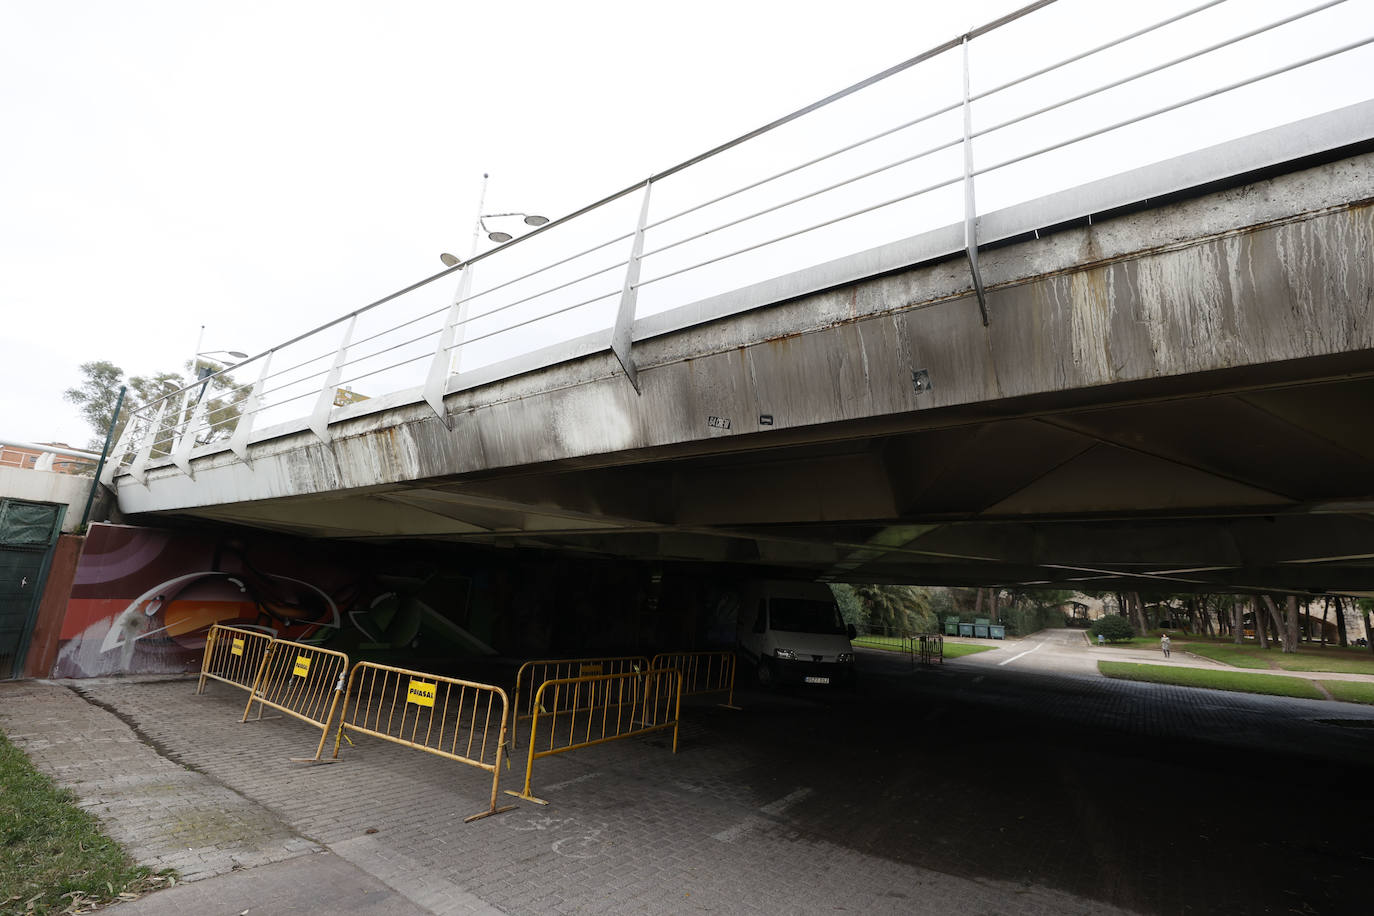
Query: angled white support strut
970	209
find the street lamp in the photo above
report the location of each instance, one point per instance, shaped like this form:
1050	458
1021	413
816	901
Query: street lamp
203	373
497	236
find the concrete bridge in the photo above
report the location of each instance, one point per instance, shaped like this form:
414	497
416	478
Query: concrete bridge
1158	379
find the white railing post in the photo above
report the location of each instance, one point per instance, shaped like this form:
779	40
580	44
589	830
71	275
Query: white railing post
622	336
116	457
238	442
181	452
145	450
970	209
319	419
446	363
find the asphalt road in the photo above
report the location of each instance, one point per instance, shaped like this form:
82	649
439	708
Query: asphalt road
1027	765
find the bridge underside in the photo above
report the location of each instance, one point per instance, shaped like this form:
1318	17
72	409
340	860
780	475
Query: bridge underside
1231	480
1177	399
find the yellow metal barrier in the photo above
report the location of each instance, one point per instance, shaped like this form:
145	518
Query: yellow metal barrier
460	720
233	655
302	681
582	711
703	672
534	673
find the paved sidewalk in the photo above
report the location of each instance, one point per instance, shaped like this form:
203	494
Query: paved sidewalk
929	790
165	814
633	829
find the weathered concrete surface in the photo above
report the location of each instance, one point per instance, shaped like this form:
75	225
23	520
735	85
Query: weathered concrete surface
1166	399
1263	274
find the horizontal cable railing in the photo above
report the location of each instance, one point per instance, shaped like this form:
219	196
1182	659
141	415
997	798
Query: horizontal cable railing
881	161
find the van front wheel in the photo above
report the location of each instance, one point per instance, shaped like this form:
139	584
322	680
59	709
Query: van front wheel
764	673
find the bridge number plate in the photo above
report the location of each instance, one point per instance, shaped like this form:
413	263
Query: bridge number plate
818	680
718	422
421	693
302	666
236	647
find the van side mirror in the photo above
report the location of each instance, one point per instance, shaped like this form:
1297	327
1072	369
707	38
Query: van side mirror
851	631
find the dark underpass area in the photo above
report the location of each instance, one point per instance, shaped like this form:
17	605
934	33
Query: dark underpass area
963	788
1154	799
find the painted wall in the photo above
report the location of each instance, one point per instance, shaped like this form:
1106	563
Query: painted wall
143	599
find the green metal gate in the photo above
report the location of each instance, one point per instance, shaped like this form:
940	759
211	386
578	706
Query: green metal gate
28	534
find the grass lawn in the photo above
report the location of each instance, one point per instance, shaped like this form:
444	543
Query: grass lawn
957	649
893	643
1307	658
53	857
1242	682
1351	691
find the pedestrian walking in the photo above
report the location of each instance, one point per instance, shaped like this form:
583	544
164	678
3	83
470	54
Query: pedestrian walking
1164	644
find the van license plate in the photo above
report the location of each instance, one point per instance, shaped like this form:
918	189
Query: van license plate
818	680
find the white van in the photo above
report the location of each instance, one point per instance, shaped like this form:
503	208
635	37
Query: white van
792	632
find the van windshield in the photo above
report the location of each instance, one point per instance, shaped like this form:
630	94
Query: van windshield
802	615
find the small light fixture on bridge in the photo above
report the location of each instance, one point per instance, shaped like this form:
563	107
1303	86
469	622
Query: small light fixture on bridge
531	219
497	236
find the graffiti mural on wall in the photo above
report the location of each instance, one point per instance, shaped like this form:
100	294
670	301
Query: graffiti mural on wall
143	599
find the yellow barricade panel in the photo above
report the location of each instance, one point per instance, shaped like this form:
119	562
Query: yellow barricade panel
575	712
304	682
233	655
452	718
703	672
534	673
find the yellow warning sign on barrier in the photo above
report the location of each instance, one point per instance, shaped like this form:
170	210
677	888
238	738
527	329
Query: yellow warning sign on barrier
302	668
588	670
237	647
421	693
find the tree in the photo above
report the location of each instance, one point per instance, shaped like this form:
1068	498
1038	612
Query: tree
900	610
95	397
850	608
99	389
1112	628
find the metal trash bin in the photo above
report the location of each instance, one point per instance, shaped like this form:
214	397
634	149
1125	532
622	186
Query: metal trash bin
951	626
980	630
965	629
997	631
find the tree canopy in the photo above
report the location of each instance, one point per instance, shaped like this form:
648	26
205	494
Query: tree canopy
98	391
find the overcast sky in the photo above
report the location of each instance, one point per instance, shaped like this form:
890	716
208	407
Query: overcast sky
262	167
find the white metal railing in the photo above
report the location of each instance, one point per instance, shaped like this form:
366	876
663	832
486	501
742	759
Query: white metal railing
896	154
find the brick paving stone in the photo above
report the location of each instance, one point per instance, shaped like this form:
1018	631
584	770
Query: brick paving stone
734	823
166	815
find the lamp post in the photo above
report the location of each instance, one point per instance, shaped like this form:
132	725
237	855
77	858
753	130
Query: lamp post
465	283
203	375
499	237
